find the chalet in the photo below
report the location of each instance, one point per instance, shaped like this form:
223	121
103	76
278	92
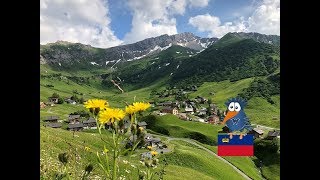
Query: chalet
75	127
143	124
188	109
201	120
153	142
73	119
273	134
169	103
54	125
53	100
42	105
51	119
70	101
213	119
90	123
170	110
257	133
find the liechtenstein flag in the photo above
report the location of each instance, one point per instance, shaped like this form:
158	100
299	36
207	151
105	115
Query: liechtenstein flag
235	146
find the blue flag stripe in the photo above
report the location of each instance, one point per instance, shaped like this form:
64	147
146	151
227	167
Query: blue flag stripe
224	139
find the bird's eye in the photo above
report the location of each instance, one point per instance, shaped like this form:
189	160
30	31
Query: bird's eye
237	106
231	106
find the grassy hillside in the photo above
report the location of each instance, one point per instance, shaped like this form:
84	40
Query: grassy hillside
259	110
203	166
204	133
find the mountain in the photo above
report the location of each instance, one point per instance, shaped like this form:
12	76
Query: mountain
66	54
233	57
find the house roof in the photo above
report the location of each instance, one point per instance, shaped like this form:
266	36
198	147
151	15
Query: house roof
54	125
71	126
74	116
274	133
90	120
143	123
188	109
259	131
168	108
51	118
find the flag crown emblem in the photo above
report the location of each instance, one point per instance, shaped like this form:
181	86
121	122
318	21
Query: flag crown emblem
225	140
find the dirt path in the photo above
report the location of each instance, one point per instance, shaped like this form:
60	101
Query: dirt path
265	127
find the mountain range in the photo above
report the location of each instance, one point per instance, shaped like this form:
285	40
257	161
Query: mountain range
65	52
181	59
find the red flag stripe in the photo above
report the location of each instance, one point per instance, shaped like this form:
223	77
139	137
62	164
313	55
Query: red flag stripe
235	150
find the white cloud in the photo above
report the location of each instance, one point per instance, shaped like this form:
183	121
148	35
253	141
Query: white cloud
213	25
84	21
199	3
156	17
265	19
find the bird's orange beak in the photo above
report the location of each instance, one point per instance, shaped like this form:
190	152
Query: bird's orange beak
229	115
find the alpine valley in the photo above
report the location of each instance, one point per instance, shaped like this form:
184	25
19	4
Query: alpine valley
175	69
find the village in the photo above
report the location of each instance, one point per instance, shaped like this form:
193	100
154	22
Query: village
198	109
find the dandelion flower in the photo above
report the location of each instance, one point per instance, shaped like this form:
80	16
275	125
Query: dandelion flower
110	115
153	153
130	110
96	103
141	106
149	147
141	128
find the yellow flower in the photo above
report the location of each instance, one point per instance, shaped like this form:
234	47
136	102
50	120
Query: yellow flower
110	115
86	148
149	147
141	106
96	103
153	153
141	128
130	109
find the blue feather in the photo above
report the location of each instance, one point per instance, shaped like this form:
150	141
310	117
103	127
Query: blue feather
240	122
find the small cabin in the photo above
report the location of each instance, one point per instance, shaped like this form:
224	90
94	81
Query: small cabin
170	110
51	119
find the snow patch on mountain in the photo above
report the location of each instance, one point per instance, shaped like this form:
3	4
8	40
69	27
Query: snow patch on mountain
94	63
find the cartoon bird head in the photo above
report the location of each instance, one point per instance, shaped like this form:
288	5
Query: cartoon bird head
235	118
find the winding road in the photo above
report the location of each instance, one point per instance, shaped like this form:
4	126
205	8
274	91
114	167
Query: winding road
208	150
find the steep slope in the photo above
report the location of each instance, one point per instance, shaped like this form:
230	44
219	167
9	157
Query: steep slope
231	58
65	54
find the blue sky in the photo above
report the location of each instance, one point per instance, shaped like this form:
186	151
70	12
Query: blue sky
106	23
